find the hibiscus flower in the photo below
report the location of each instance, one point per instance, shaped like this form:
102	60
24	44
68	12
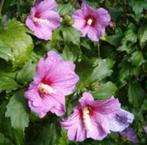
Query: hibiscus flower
96	119
55	78
91	22
43	19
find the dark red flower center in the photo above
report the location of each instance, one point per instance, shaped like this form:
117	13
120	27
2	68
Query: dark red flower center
90	20
45	88
37	18
37	15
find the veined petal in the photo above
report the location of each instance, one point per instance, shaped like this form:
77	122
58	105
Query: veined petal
121	120
104	16
52	17
99	127
109	106
46	5
87	97
93	34
74	126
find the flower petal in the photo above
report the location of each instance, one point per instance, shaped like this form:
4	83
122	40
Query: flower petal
93	34
74	126
86	98
99	127
121	120
46	5
108	107
104	16
53	19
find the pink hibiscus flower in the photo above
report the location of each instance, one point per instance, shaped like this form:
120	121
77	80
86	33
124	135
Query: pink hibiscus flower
91	22
43	19
55	78
96	119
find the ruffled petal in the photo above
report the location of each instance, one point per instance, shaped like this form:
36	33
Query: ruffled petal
79	19
93	34
74	127
121	120
43	31
109	106
54	57
30	24
66	83
56	103
85	31
52	17
46	5
86	98
33	96
99	128
37	110
103	17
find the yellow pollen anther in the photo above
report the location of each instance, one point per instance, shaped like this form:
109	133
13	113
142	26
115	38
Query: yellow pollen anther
86	117
90	21
39	20
45	89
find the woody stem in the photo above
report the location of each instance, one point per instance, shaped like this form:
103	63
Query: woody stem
98	50
1	6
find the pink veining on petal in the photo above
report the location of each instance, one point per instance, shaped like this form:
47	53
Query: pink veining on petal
48	90
94	119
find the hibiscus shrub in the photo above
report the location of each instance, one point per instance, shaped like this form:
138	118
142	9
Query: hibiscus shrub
73	72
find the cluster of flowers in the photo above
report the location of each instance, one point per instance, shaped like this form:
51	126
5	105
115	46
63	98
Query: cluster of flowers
56	78
44	19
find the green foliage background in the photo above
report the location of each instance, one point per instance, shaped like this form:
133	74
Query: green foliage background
117	65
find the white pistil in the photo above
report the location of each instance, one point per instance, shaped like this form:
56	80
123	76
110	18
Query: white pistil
39	20
90	21
45	89
86	117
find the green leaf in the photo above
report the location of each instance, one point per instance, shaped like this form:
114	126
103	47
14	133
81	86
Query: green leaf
56	38
130	34
5	52
142	34
135	94
101	70
71	53
144	105
63	140
14	37
26	73
4	140
7	82
137	58
112	39
103	91
16	110
46	135
98	70
124	47
124	71
138	6
71	35
65	9
16	136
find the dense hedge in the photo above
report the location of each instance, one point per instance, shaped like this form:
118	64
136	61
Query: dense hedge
116	65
